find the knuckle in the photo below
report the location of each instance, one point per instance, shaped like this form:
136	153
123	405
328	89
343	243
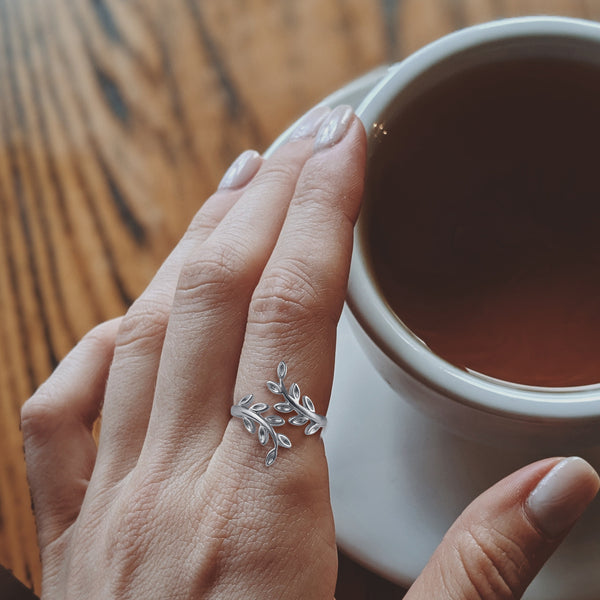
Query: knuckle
320	200
294	291
45	410
278	174
40	415
143	326
493	562
132	517
286	295
219	274
220	501
314	191
140	504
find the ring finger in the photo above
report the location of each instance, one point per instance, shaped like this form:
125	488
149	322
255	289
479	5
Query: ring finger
140	338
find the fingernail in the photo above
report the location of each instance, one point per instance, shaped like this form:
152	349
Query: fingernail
562	495
334	128
242	170
309	124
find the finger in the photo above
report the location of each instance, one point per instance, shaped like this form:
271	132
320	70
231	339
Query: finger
501	541
57	421
132	378
296	306
292	316
208	318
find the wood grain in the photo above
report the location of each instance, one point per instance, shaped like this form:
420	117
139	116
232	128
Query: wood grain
117	118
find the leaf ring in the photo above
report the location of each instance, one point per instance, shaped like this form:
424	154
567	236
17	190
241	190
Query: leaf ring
252	414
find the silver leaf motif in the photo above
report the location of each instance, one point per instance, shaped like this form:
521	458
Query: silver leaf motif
281	370
271	456
246	400
263	436
252	417
295	391
312	429
274	387
309	404
284	440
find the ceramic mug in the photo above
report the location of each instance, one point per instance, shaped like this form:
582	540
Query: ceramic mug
474	406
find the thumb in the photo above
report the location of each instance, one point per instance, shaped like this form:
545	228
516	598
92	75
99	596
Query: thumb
500	542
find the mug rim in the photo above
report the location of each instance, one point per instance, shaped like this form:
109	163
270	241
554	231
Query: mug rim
370	309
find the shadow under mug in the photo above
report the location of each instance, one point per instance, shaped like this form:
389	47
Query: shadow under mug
477	407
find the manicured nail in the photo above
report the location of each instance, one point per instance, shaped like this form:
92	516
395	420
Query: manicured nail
309	124
562	495
242	170
334	128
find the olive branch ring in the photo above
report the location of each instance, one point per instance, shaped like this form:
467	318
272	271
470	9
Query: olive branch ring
252	414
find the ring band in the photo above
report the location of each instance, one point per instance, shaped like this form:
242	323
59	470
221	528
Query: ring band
252	415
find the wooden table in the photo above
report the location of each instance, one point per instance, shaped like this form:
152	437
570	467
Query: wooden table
116	119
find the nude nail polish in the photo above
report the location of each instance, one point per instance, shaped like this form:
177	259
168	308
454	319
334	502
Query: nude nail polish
242	170
309	124
562	495
334	127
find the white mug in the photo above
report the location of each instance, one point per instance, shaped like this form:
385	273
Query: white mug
474	406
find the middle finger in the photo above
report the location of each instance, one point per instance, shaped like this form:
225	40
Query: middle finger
208	318
130	386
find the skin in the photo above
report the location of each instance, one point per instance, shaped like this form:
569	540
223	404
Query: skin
175	502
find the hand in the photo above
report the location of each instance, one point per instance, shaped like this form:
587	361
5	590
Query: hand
176	502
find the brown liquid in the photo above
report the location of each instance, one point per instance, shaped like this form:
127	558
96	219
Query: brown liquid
484	221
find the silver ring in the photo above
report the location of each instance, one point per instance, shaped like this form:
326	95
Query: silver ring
252	415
